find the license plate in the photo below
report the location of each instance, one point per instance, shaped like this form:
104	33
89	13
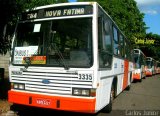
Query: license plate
45	102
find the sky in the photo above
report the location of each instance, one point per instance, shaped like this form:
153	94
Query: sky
151	9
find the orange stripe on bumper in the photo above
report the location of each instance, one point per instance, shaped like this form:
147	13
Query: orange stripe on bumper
136	76
53	102
148	73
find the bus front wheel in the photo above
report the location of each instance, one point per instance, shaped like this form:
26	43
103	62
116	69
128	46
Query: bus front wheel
141	78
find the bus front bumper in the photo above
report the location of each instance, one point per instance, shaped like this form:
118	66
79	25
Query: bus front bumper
148	73
53	102
137	76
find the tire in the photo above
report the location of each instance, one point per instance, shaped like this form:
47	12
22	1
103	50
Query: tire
140	78
108	108
144	77
129	86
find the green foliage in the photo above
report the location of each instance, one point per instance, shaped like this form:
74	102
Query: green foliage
130	20
124	12
126	15
152	50
9	10
28	4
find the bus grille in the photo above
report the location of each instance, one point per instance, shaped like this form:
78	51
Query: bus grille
50	81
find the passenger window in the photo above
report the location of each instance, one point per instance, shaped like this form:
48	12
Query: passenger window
116	46
121	39
105	44
107	37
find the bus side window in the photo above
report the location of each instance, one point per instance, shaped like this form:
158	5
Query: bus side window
116	42
107	37
121	41
128	51
105	44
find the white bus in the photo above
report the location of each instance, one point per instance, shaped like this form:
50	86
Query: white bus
151	66
70	57
140	65
157	67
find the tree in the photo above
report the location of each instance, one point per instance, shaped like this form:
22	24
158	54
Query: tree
126	15
130	20
152	49
9	10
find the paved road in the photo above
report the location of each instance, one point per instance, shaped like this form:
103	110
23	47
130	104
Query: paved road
143	99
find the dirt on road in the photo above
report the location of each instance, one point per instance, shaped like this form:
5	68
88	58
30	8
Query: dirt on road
4	106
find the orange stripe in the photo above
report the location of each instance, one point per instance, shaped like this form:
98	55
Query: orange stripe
125	79
53	102
136	76
148	73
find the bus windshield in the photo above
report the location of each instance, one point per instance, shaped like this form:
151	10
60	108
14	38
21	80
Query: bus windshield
65	42
137	60
149	64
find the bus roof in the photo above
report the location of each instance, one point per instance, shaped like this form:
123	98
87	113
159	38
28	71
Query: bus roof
62	4
139	51
150	58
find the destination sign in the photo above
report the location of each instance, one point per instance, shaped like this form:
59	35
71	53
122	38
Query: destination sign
58	12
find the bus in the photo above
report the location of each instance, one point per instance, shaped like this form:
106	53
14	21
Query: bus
151	66
70	57
140	65
158	67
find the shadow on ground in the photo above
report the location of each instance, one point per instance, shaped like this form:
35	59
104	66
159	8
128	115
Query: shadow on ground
4	87
32	111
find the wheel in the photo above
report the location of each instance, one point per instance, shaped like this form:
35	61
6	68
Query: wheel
129	86
140	78
144	77
108	108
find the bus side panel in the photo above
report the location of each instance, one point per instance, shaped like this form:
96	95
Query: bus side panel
103	90
120	77
130	73
126	71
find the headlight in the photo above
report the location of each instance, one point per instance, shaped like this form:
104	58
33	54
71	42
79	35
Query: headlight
76	92
82	92
19	86
15	86
86	92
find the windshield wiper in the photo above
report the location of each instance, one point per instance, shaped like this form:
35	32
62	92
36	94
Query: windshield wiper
60	55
